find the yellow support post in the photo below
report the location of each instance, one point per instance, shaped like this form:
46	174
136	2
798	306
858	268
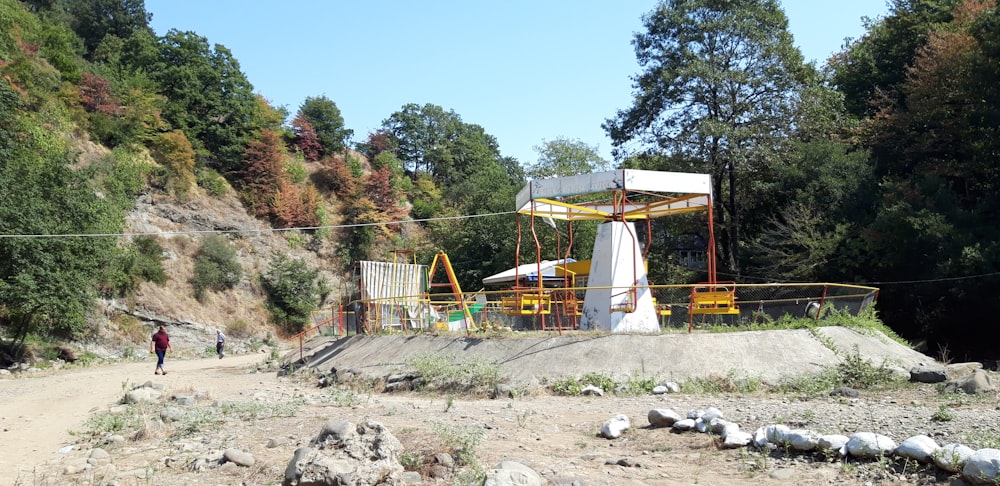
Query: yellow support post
453	283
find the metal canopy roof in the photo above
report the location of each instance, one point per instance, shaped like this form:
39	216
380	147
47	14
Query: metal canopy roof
628	194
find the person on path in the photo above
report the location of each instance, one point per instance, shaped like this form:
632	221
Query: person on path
220	343
160	345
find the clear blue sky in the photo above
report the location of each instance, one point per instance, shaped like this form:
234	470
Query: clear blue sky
525	70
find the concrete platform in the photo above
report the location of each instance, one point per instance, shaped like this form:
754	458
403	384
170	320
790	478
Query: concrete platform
767	355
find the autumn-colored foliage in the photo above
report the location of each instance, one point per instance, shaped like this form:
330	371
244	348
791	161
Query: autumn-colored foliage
337	177
295	206
173	150
97	96
263	172
306	140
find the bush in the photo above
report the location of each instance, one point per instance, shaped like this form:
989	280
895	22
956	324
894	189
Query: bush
213	183
293	292
215	267
857	372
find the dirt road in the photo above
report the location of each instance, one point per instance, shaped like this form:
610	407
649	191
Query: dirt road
39	412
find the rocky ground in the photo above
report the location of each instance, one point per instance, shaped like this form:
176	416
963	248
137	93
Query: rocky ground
236	421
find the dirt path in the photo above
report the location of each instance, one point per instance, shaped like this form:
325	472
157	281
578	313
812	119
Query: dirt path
39	412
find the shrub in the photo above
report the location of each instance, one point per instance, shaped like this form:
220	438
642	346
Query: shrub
215	267
213	183
857	372
293	292
444	374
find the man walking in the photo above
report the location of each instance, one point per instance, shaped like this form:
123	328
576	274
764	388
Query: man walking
220	343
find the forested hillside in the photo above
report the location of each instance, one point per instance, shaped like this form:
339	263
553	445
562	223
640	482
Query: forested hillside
878	167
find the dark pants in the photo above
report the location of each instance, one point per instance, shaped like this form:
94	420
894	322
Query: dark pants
219	347
160	354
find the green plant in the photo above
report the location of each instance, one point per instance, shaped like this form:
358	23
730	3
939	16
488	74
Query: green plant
460	440
858	372
411	461
732	382
639	385
213	183
215	267
943	414
811	385
569	386
293	291
443	374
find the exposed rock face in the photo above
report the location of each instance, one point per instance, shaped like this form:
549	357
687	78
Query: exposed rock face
347	454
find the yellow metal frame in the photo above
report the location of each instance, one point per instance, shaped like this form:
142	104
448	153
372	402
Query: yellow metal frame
456	289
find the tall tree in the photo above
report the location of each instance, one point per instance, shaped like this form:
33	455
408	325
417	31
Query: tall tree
419	132
47	284
564	157
934	152
208	97
719	84
94	19
324	116
871	69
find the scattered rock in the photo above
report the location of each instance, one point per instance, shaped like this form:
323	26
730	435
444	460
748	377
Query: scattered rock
928	373
510	473
238	457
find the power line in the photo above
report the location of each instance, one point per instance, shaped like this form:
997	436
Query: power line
873	284
266	230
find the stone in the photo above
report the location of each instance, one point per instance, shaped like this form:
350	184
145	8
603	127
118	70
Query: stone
928	373
614	427
776	434
510	473
833	442
919	448
952	457
869	445
978	382
983	467
171	414
961	370
802	440
662	417
238	457
845	391
99	457
736	439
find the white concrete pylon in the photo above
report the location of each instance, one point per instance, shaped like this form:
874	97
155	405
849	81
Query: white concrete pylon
617	268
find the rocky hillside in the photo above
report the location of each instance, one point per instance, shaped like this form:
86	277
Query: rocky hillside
179	226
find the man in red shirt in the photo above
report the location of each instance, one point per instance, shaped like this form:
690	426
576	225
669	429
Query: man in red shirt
160	344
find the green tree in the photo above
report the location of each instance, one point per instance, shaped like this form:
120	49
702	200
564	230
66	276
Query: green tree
934	154
47	283
418	132
870	70
327	122
94	19
215	267
293	291
564	157
719	84
208	97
